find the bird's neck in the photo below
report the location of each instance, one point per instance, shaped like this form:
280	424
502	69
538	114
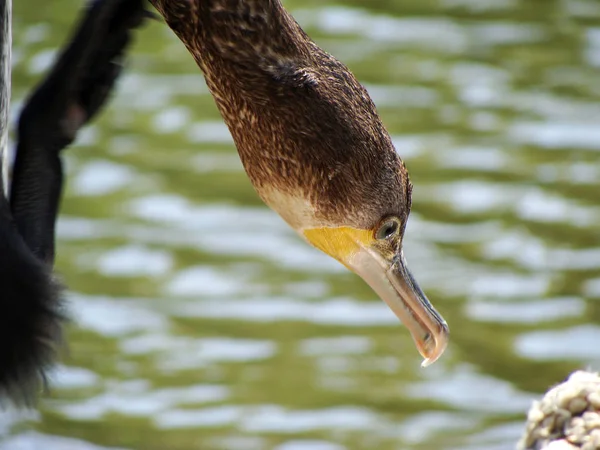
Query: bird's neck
303	125
257	63
255	34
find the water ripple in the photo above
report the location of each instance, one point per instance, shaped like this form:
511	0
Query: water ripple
576	343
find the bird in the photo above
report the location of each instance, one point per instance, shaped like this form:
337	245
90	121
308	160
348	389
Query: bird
312	144
74	91
316	151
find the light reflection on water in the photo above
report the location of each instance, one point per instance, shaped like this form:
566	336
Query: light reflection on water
202	321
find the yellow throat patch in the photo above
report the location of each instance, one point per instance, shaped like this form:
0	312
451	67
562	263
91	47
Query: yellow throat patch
340	243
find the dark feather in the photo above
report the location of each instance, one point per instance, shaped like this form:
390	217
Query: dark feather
31	318
78	85
302	123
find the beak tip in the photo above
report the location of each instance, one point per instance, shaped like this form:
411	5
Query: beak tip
433	358
440	343
427	362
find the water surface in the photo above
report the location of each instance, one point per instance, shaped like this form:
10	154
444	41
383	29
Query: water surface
203	322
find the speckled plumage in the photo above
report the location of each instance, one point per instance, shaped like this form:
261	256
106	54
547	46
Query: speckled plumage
307	132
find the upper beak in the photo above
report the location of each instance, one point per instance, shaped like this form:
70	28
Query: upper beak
396	286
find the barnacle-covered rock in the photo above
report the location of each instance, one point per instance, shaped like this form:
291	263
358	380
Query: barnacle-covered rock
567	418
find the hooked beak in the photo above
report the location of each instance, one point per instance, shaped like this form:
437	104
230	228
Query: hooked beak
391	280
397	287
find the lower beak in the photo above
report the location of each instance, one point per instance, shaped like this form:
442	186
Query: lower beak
397	287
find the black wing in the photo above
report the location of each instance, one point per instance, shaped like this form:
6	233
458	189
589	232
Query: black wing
31	306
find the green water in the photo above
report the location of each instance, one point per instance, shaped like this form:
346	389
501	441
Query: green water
203	322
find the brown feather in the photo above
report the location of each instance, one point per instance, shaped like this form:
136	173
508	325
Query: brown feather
303	125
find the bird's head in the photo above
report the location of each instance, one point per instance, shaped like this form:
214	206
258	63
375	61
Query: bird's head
358	216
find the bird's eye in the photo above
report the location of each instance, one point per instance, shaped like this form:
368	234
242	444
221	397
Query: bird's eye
388	229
